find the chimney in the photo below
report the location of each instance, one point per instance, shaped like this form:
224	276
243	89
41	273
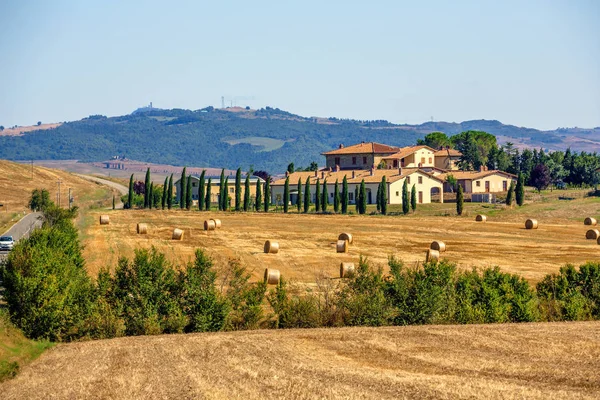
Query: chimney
447	147
287	173
372	170
481	168
337	168
353	174
341	145
316	173
400	171
322	174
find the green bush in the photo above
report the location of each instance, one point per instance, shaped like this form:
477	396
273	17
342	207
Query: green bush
294	312
244	299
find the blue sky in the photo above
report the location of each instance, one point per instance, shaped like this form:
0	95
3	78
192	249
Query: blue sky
527	63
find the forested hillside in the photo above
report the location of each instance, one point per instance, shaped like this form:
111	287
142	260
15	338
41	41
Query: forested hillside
267	139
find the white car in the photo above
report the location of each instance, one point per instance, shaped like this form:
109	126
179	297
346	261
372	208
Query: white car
6	243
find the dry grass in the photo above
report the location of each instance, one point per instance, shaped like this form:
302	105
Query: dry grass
534	361
18	131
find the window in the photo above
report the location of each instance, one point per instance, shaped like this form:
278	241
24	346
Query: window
353	160
430	160
364	160
420	179
478	183
422	160
397	193
337	161
331	195
395	163
194	184
231	190
408	179
351	196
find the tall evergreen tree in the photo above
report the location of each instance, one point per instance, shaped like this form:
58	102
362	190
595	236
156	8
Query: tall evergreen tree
222	190
317	196
510	194
345	195
207	199
363	197
413	198
378	197
201	187
147	192
299	197
188	193
357	198
267	201
325	199
336	197
384	196
163	202
130	193
286	194
150	195
182	187
225	197
307	195
520	190
113	201
247	193
258	202
170	193
405	197
238	190
459	200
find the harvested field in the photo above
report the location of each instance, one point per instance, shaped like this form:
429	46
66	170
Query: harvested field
534	361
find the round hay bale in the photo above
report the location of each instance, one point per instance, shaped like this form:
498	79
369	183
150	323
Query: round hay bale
346	236
272	276
217	222
439	246
598	241
480	218
142	228
177	234
104	220
209	225
590	221
432	256
346	268
271	247
342	246
592	234
531	224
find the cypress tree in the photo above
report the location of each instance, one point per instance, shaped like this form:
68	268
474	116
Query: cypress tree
357	199
510	194
182	187
222	190
459	200
307	195
247	193
170	193
344	195
520	190
405	197
258	202
163	202
299	199
146	189
207	199
378	197
318	196
188	193
150	197
286	194
225	197
113	201
384	197
336	197
130	193
363	197
267	201
238	190
413	198
201	186
325	200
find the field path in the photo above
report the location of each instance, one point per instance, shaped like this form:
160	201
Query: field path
121	188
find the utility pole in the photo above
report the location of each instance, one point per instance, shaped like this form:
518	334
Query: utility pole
70	198
59	182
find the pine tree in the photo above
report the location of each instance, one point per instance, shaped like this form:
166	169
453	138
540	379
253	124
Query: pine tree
225	197
459	200
147	189
170	193
163	202
207	199
336	197
317	196
325	199
307	195
150	197
130	193
267	201
258	202
345	195
222	190
188	193
363	197
238	190
413	198
182	186
247	193
299	199
510	194
520	190
286	194
201	186
405	197
384	197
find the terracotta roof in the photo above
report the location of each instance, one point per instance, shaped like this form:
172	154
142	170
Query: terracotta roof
392	175
470	175
407	151
364	148
448	152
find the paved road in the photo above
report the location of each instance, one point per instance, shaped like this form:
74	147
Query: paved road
122	189
23	228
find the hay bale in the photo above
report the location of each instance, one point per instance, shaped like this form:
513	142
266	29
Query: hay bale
341	246
271	247
480	218
598	241
437	245
209	225
346	268
531	224
432	256
592	234
217	222
177	234
142	228
272	276
590	221
104	220
346	236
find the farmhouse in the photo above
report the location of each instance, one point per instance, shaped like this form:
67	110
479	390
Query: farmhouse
447	158
428	186
482	181
367	155
215	186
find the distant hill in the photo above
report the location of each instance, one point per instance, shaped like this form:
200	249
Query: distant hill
267	139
